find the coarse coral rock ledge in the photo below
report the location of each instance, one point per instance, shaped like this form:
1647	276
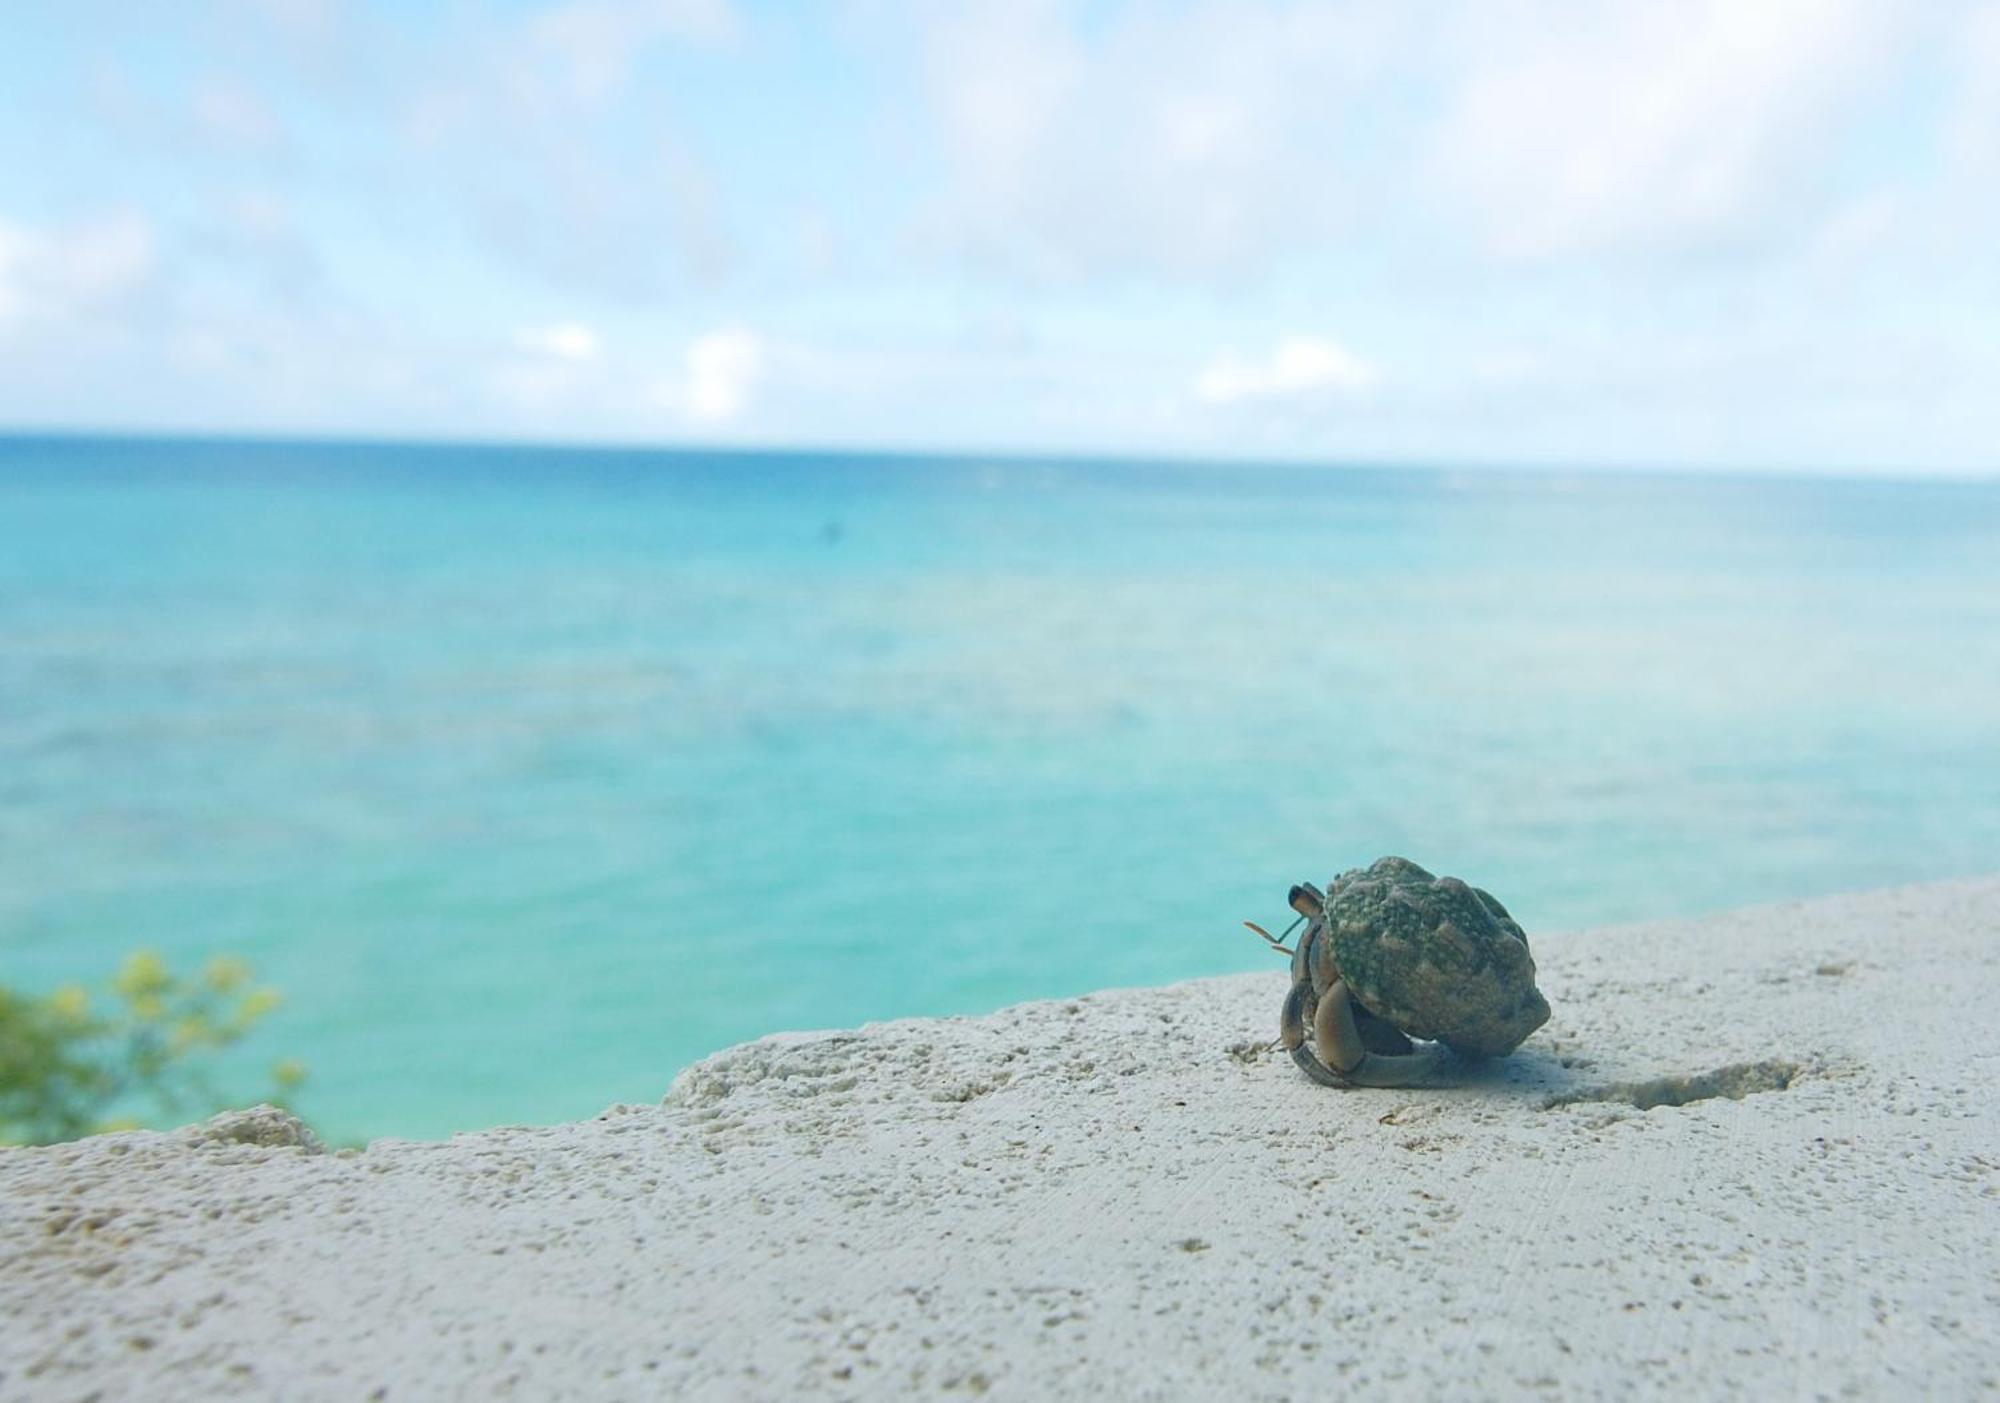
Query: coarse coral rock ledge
1757	1152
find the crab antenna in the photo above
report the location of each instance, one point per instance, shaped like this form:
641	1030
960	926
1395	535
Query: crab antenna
1275	942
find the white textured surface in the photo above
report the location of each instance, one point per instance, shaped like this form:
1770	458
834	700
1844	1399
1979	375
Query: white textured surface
1122	1195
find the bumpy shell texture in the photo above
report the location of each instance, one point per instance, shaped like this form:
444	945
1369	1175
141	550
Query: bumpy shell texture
1437	958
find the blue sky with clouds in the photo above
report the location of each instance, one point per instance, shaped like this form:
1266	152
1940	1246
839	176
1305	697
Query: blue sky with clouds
1701	233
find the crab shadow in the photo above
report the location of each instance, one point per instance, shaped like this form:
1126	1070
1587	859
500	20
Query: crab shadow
1535	1074
1552	1080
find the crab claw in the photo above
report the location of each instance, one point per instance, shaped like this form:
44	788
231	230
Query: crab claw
1378	1069
1335	1036
1292	1033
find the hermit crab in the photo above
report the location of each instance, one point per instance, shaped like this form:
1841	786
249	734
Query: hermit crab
1391	953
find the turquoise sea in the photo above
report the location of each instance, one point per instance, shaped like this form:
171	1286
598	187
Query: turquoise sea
531	775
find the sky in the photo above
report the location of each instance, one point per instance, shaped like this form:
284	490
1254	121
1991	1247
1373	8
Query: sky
1703	233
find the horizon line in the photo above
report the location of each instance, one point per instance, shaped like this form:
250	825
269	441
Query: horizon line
1595	467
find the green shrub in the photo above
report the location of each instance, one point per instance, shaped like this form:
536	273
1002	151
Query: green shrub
68	1069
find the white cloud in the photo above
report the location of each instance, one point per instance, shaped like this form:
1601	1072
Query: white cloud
231	117
72	271
593	43
15	250
105	259
1192	140
723	370
566	341
1972	136
1297	368
1576	129
313	19
1204	140
564	369
1509	368
546	134
259	215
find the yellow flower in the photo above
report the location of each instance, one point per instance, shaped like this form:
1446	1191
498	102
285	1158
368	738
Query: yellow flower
147	1007
143	972
71	1003
227	974
258	1003
190	1033
289	1073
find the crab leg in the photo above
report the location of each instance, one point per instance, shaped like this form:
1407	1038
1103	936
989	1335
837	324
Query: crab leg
1335	1037
1292	1033
1340	1046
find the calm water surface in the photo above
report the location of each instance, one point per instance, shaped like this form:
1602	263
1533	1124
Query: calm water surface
531	775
